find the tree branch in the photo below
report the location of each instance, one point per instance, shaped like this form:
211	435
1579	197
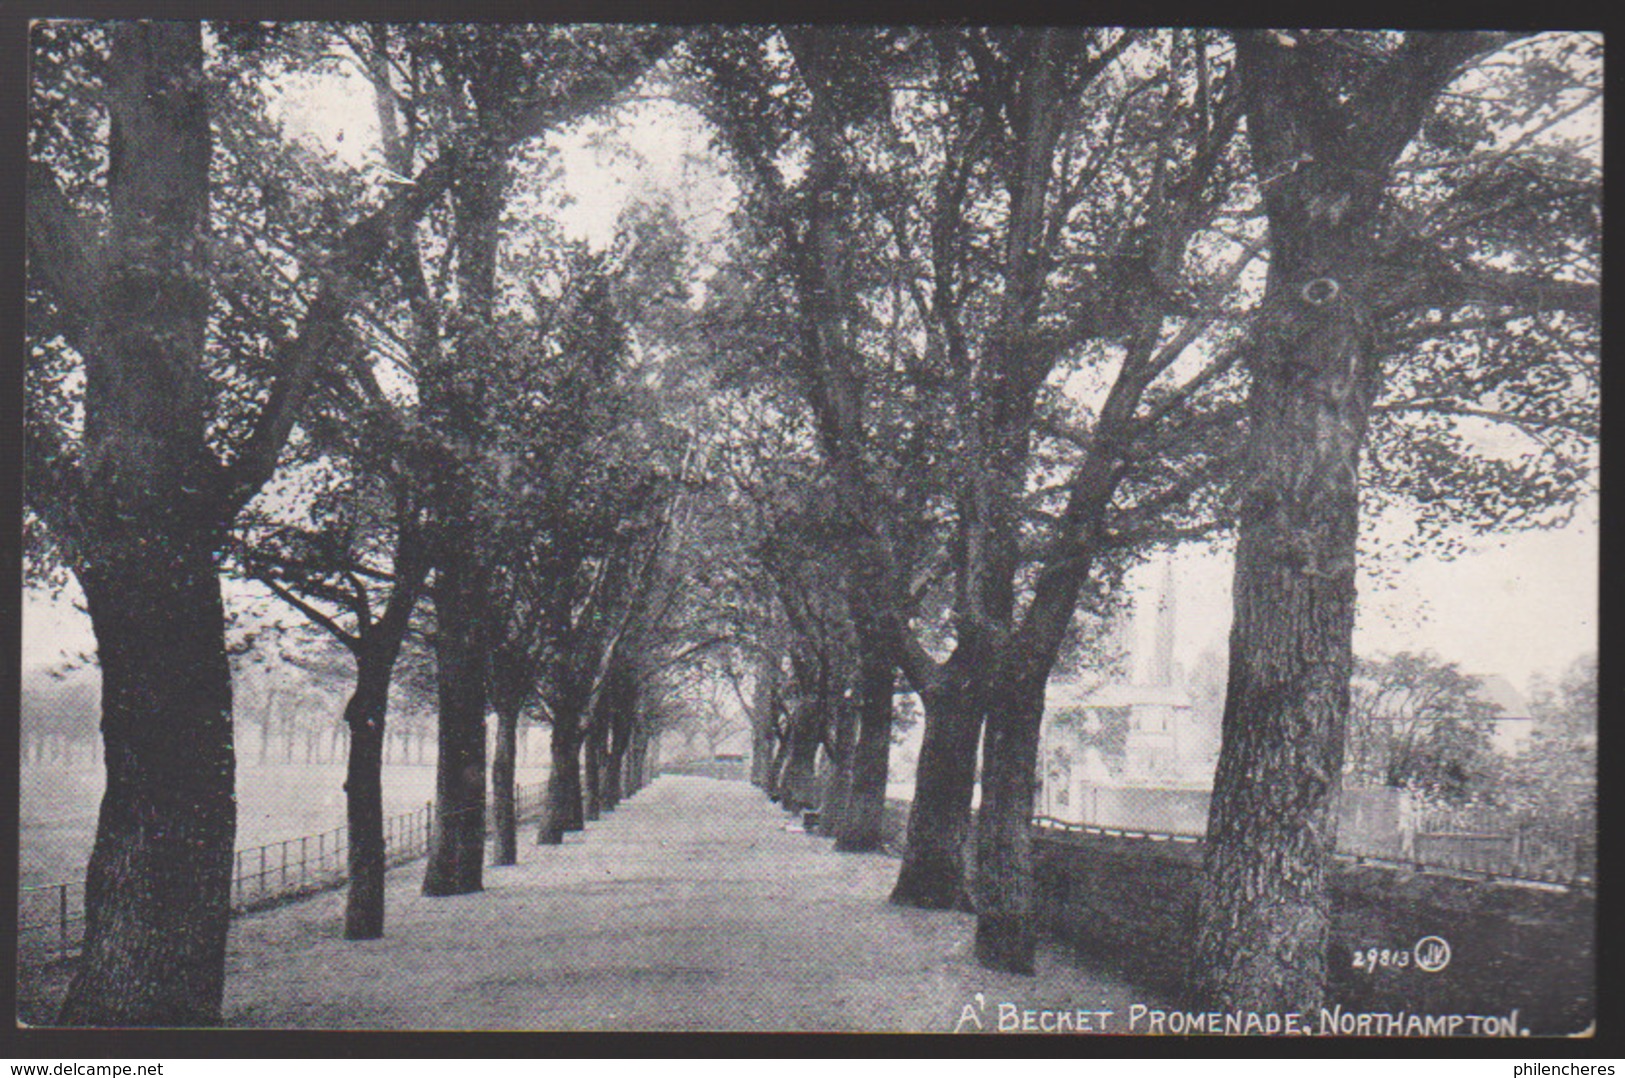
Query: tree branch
361	248
1439	282
1534	425
65	251
350	641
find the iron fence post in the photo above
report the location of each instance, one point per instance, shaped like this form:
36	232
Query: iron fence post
62	913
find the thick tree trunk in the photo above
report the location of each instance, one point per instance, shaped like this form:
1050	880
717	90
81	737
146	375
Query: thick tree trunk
512	680
1272	824
1005	931
504	816
838	786
636	754
798	785
593	773
933	872
763	715
761	756
1264	913
455	387
860	826
457	844
623	772
364	791
774	786
1013	685
611	790
157	892
623	717
158	887
364	804
561	811
637	761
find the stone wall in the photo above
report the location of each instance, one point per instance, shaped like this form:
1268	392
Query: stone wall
1128	906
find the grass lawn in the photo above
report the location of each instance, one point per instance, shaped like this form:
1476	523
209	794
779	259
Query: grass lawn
57	814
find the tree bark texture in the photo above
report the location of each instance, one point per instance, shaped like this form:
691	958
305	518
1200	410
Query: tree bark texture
774	787
1006	934
609	785
838	787
593	774
860	826
764	712
454	395
798	783
562	811
364	797
939	820
622	699
1263	903
376	652
158	888
637	761
457	843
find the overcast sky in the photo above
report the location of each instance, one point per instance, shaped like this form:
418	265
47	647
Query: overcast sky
1515	604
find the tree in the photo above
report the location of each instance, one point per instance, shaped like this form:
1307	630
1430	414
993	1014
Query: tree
805	223
1417	723
595	592
1550	787
357	575
1040	253
138	512
1351	282
120	279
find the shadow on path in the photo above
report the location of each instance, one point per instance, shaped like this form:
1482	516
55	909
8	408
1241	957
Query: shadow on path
690	907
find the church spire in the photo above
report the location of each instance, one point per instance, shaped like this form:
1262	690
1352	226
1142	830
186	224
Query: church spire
1162	654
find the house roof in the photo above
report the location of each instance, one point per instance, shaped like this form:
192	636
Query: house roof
1496	689
1058	695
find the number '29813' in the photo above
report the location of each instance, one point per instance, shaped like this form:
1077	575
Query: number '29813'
1372	959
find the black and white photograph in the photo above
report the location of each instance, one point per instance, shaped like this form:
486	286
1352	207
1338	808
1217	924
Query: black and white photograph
965	527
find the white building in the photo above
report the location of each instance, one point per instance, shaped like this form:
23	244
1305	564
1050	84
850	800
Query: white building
1168	742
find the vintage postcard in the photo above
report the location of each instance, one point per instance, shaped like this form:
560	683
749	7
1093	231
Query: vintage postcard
838	528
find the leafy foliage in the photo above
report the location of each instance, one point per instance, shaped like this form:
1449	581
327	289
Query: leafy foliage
1420	723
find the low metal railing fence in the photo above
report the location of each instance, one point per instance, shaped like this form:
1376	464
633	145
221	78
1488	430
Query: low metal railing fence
1510	857
51	917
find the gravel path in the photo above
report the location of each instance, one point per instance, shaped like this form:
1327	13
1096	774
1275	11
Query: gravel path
691	907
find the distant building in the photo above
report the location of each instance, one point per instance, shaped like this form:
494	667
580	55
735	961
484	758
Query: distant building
1168	741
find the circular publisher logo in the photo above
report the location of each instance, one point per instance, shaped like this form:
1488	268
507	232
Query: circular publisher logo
1432	954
